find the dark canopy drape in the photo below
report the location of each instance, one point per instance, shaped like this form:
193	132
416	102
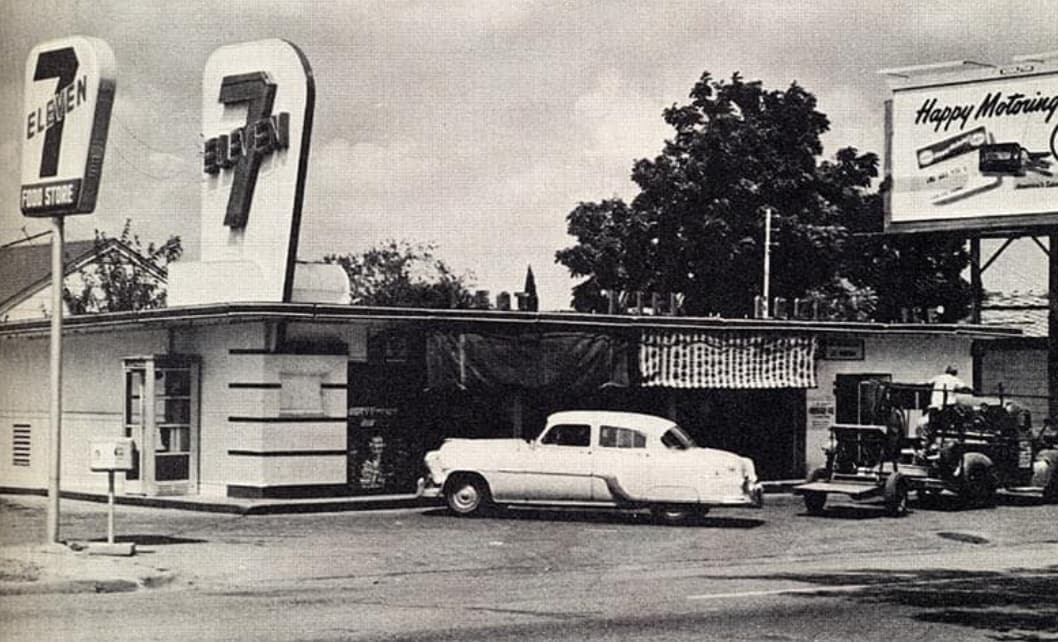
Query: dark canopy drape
541	361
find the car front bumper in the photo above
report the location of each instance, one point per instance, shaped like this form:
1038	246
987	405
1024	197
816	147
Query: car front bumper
427	489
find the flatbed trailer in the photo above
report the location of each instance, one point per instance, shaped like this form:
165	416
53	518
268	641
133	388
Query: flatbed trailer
862	466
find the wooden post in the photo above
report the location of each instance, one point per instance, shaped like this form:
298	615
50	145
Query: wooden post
975	279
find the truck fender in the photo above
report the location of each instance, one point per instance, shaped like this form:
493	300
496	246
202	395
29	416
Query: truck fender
1045	473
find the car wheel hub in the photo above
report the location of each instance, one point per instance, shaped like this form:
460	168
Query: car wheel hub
466	497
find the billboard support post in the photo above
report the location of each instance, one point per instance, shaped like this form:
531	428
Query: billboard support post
1052	326
55	407
975	279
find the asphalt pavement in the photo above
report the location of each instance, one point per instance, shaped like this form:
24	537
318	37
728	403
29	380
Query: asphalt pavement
422	574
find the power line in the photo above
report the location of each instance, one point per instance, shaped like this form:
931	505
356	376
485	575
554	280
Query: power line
145	143
164	179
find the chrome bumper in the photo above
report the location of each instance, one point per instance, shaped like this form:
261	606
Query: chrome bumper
756	495
427	490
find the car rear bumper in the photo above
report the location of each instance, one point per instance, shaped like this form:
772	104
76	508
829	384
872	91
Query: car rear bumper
752	496
756	495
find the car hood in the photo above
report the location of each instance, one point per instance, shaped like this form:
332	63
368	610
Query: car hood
461	446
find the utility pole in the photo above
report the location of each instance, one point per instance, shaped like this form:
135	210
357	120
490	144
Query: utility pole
767	262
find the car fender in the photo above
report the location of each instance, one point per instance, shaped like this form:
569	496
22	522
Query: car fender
1044	467
666	494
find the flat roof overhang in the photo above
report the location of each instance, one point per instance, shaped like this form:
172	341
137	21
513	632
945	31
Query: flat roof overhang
217	314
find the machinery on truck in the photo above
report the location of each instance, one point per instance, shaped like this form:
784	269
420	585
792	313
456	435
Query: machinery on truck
968	447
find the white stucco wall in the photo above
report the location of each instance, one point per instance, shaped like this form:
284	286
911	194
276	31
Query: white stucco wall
93	388
907	358
236	449
93	394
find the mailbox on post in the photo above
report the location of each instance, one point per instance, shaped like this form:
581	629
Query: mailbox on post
112	455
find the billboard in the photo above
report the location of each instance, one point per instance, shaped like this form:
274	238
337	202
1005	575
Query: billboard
974	150
69	92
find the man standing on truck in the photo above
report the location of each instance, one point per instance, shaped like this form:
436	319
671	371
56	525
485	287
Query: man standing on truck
944	388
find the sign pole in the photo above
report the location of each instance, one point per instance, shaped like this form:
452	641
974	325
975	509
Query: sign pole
73	79
55	409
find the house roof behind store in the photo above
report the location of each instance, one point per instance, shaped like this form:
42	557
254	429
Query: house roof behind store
1026	311
26	266
329	313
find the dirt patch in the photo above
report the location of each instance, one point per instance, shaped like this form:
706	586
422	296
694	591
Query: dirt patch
963	537
18	571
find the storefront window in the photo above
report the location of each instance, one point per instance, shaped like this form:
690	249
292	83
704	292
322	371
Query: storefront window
160	418
172	417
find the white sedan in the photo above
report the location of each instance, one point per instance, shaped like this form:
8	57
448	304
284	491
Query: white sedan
592	459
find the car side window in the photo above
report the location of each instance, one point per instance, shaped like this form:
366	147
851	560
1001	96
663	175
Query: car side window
612	437
568	435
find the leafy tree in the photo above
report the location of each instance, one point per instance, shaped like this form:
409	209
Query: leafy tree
126	275
908	271
399	274
697	224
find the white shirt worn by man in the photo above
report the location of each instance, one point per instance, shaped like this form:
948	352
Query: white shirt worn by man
944	388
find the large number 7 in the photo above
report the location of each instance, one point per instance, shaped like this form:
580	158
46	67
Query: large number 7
257	89
61	64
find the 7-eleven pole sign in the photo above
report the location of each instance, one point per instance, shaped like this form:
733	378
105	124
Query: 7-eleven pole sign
69	92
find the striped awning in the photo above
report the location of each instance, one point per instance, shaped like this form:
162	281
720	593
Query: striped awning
738	360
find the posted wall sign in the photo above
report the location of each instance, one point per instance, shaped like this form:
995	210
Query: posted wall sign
978	150
69	92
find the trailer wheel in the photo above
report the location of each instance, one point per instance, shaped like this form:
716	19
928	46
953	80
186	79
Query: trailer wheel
896	495
815	501
978	481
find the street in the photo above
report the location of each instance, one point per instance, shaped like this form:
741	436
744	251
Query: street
423	574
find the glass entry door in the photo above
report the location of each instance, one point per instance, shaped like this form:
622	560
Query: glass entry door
161	417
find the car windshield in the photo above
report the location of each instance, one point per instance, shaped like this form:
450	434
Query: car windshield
676	439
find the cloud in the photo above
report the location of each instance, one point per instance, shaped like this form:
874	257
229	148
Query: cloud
623	124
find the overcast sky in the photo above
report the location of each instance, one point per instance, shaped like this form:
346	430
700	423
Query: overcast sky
479	125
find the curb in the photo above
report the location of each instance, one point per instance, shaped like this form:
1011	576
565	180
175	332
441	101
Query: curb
68	586
340	506
281	507
256	507
84	586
